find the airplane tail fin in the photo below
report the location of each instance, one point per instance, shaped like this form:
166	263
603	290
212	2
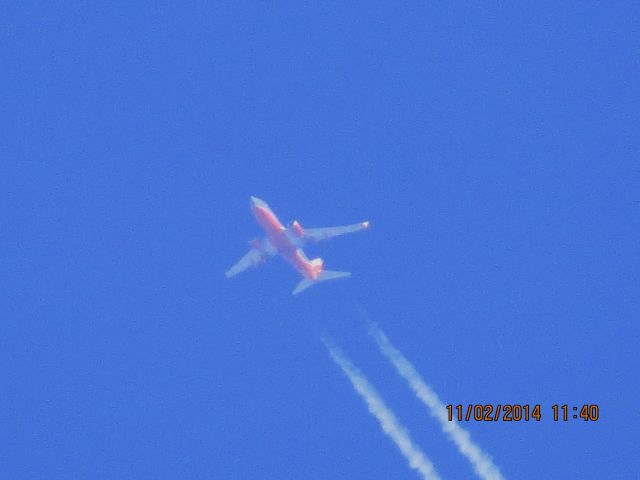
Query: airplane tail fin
324	275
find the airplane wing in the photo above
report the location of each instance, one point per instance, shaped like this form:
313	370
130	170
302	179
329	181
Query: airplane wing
318	234
251	259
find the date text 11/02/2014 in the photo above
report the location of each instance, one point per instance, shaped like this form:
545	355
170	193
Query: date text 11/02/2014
514	412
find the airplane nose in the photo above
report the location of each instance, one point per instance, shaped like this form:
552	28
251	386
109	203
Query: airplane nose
256	202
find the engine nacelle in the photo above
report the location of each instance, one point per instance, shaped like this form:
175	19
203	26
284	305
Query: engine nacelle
297	228
255	243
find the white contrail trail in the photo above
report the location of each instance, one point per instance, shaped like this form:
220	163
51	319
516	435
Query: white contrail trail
388	421
481	462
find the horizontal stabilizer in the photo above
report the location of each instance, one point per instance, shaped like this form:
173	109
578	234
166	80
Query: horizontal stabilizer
324	275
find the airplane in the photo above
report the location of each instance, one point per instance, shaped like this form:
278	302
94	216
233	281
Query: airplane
288	243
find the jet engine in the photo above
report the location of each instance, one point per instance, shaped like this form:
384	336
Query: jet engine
297	228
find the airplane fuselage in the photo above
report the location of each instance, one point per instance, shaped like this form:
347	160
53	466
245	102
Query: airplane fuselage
283	240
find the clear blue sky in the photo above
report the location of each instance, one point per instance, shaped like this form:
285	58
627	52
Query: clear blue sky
493	147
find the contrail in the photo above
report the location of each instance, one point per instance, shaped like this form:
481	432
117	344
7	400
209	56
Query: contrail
481	462
388	421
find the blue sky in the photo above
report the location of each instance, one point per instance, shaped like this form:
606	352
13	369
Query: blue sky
493	147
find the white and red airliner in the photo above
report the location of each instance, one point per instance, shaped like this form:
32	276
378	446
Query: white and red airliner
288	242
